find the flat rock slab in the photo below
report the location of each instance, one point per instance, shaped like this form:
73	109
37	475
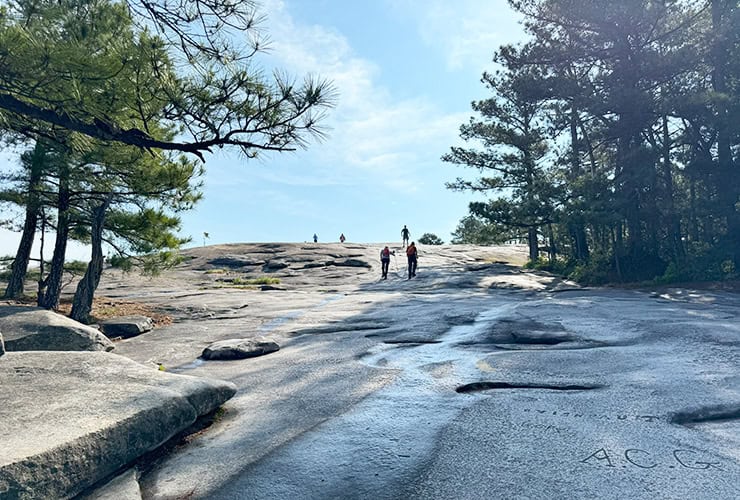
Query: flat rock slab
239	349
127	326
36	329
125	486
72	419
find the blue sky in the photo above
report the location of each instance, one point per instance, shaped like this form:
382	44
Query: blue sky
406	72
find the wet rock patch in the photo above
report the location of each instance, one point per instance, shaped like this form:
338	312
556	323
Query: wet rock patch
488	385
411	341
524	334
342	327
707	415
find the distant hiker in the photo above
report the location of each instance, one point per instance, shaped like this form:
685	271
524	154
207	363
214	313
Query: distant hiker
342	238
405	236
315	238
385	260
411	255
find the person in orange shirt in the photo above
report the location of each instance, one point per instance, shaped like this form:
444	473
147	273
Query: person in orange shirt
385	260
411	255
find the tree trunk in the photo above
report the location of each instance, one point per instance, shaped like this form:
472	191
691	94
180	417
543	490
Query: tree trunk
534	251
19	267
693	218
83	299
552	249
42	242
674	223
577	229
50	299
628	193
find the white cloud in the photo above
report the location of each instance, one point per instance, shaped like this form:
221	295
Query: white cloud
372	133
467	32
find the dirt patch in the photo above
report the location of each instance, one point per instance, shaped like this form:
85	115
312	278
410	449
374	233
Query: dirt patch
104	308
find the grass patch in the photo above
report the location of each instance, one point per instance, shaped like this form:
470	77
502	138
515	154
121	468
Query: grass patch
216	271
262	280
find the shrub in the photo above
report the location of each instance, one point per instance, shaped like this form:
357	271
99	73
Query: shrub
430	239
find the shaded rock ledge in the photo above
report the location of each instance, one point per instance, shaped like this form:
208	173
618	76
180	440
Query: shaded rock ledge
71	419
126	326
35	329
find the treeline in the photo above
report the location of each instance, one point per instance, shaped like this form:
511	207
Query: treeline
114	105
611	140
115	195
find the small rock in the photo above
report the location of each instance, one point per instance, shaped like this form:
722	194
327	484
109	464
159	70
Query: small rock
127	326
239	348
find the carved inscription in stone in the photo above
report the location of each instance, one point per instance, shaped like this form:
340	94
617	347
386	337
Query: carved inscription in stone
635	457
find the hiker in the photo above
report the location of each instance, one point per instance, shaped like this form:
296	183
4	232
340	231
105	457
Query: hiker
405	236
342	238
385	260
315	238
411	255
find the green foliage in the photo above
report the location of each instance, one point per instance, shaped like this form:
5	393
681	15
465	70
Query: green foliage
5	274
430	239
154	264
76	267
597	271
712	264
604	135
122	262
558	266
511	151
475	230
116	71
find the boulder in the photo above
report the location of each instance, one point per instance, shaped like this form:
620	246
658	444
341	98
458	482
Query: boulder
239	349
126	326
72	419
36	329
